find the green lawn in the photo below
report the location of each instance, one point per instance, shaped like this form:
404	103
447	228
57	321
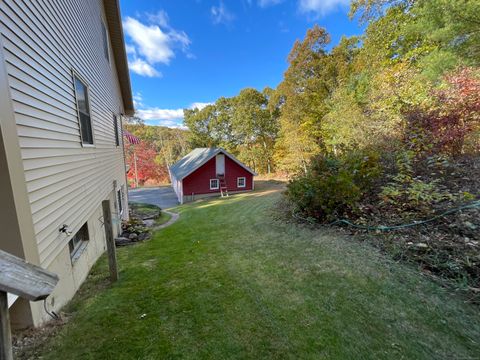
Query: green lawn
228	282
163	218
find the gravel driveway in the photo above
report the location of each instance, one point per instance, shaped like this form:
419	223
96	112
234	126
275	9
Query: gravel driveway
162	196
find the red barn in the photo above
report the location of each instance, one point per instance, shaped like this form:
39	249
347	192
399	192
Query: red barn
209	172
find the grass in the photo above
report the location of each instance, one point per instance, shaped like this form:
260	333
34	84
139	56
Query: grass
228	282
163	218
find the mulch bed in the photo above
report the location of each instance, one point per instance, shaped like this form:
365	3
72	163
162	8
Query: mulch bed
137	229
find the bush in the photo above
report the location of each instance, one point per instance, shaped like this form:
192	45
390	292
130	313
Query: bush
333	185
406	191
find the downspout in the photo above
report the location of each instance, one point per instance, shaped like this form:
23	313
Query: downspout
135	166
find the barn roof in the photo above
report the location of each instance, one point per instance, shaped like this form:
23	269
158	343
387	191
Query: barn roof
196	158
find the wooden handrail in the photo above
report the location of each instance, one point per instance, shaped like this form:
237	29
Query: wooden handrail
25	280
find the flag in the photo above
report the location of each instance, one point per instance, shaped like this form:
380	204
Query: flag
132	139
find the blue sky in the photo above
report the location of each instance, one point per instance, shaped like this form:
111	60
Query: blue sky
188	53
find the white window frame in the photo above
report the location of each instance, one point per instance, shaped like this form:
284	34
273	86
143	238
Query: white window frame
120	201
76	77
76	244
105	41
244	182
115	130
214	187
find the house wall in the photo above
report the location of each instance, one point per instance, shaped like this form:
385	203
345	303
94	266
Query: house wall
43	43
198	182
177	187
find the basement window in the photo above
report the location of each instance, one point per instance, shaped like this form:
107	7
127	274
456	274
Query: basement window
214	184
83	107
78	241
241	182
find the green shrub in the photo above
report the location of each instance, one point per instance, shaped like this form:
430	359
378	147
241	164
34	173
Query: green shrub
406	191
333	185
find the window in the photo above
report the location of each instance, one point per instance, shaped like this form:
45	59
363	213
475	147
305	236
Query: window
77	240
119	200
115	125
214	184
105	42
83	107
241	181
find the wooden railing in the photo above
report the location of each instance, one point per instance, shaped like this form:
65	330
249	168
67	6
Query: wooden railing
24	280
31	282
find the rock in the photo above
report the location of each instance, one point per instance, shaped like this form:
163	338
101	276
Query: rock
122	241
421	245
143	236
469	225
149	223
133	236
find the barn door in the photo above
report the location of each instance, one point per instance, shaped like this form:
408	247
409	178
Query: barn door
220	164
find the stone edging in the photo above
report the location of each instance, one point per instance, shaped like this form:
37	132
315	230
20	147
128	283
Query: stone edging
175	217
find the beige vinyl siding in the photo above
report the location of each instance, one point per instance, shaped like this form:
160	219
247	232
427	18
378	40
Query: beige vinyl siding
44	41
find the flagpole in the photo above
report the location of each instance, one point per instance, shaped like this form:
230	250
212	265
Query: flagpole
133	140
135	164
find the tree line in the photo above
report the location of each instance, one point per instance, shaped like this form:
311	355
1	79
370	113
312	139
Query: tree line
390	88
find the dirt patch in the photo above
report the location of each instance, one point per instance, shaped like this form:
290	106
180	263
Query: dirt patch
144	211
28	343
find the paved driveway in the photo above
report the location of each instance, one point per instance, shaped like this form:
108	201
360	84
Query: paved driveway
162	196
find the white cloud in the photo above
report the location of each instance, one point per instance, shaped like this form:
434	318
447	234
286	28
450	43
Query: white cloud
160	114
174	124
150	41
266	3
141	67
221	15
160	18
130	49
321	7
137	100
153	42
200	105
164	117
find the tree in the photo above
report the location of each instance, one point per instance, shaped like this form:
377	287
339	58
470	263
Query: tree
164	145
255	127
452	125
141	159
201	126
306	87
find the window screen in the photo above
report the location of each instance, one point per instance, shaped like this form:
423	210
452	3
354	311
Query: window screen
83	106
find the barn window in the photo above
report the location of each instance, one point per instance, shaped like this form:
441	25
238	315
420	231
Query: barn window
83	108
214	184
75	243
241	181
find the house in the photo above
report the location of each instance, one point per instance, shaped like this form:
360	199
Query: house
209	172
64	89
